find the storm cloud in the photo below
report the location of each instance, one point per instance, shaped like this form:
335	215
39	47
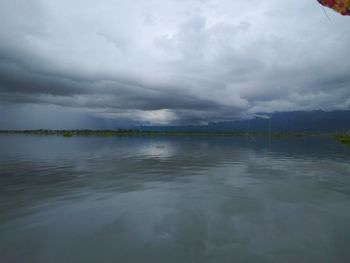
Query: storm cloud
87	63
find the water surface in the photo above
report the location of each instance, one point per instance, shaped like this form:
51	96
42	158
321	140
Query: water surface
173	199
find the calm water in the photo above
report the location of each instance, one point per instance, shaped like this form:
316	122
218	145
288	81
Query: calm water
173	200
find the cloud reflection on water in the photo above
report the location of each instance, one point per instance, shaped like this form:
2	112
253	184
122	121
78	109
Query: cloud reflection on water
173	199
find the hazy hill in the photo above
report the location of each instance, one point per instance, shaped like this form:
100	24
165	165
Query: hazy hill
311	121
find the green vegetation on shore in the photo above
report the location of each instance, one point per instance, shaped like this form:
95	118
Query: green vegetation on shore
343	138
131	132
121	132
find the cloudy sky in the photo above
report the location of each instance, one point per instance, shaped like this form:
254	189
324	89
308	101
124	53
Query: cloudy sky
94	64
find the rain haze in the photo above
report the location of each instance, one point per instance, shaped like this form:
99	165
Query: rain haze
100	64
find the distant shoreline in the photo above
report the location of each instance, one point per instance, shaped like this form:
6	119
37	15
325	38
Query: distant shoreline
135	132
342	138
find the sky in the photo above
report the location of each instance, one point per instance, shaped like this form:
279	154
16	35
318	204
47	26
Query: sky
111	63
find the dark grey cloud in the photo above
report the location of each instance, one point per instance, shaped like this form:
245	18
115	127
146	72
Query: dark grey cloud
169	62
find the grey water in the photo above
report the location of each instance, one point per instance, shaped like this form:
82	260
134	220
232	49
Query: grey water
173	199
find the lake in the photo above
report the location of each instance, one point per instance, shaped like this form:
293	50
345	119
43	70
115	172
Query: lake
173	199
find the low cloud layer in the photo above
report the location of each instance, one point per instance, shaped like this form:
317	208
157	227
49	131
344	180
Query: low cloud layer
87	63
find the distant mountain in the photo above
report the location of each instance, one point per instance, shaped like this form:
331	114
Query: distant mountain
301	121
